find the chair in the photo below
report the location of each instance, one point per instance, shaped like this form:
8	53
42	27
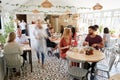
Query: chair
49	51
118	53
13	60
77	72
106	68
108	51
52	53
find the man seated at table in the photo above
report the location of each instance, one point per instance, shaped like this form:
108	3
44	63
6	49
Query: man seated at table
50	40
22	39
93	40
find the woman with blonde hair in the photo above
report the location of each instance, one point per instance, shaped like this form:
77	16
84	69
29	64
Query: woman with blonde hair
65	42
40	42
12	51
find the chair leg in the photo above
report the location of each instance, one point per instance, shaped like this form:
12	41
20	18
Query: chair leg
116	63
59	64
7	73
108	74
86	77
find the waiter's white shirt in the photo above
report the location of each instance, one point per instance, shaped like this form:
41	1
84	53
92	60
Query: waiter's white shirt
22	25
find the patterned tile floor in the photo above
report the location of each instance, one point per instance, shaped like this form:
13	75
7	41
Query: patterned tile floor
51	71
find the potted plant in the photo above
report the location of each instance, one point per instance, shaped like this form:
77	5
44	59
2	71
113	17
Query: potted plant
8	27
112	31
100	29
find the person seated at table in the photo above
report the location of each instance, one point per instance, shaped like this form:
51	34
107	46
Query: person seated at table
49	41
106	37
53	35
93	40
74	36
73	30
65	42
22	39
13	48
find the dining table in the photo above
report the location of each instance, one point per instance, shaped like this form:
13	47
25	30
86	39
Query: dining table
57	41
79	54
115	77
28	49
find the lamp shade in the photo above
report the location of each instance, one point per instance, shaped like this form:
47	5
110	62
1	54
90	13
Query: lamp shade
67	12
35	11
46	4
97	7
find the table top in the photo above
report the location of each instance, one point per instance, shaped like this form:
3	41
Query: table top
57	41
81	56
115	77
25	47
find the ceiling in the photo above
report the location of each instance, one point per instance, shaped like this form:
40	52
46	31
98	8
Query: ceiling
60	6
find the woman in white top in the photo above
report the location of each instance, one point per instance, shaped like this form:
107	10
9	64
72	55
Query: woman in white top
40	42
12	51
106	37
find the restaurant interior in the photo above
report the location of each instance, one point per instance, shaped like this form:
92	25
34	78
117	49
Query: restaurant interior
59	39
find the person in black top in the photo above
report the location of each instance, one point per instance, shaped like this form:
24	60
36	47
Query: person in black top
49	41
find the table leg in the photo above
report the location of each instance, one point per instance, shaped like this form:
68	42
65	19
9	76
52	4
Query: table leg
30	60
29	42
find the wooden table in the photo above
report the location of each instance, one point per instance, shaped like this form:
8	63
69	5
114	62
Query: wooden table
27	48
115	77
76	55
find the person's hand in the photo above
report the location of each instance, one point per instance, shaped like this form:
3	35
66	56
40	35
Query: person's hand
67	46
94	45
85	43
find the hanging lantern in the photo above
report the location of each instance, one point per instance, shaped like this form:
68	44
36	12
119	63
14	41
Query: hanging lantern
97	7
35	11
47	4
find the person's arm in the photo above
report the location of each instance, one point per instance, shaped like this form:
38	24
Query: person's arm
66	47
26	42
100	45
85	43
